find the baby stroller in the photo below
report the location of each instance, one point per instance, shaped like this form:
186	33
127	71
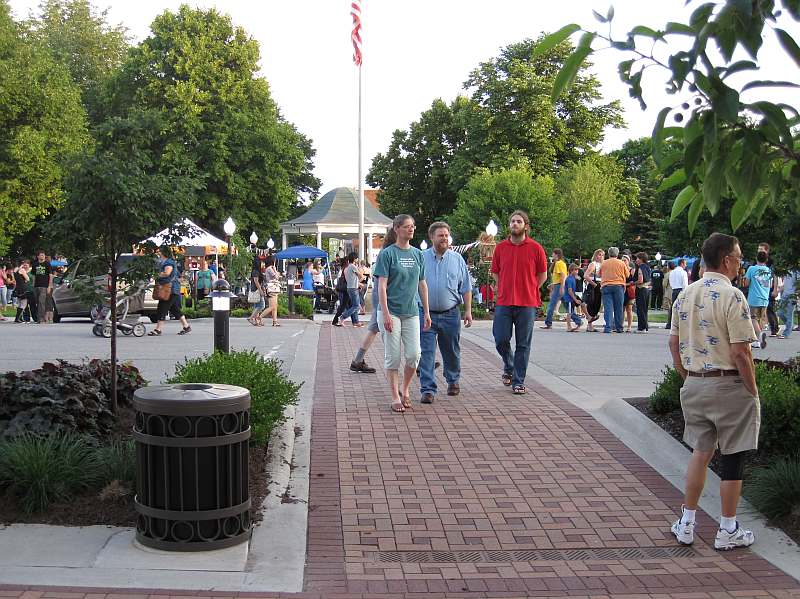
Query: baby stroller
325	298
129	303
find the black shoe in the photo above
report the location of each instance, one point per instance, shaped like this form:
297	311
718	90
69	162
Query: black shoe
427	397
185	331
361	367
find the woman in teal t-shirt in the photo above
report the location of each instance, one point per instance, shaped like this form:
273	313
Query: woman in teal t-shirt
400	270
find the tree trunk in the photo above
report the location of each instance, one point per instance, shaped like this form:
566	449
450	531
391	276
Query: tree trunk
114	338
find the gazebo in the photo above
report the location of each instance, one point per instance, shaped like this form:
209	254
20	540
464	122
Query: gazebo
335	215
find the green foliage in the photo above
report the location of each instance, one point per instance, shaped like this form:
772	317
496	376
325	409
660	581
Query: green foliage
506	123
117	461
270	390
201	72
42	469
666	398
302	305
732	150
775	489
80	38
64	397
42	126
495	195
597	198
241	313
200	311
780	411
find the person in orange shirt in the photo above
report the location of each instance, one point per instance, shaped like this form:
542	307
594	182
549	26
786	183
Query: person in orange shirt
613	273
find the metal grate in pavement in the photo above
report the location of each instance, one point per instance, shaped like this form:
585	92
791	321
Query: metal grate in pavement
622	553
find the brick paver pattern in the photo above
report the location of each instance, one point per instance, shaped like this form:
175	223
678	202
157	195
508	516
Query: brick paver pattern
446	499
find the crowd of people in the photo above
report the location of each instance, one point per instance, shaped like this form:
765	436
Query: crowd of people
28	286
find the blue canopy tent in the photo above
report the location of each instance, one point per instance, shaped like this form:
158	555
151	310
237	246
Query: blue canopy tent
301	252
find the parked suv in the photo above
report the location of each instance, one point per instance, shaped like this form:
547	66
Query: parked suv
67	302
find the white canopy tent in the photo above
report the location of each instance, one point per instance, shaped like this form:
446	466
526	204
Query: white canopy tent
195	236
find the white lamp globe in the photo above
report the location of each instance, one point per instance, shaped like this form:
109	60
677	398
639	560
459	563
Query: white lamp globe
449	240
229	227
270	243
491	228
658	255
423	245
253	238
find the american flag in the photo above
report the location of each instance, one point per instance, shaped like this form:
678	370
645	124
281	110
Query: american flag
355	35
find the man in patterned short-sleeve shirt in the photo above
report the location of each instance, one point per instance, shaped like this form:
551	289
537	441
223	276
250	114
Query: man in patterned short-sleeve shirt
710	346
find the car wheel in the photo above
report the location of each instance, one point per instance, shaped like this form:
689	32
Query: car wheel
56	315
97	330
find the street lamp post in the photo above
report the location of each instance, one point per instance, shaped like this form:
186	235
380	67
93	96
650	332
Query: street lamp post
253	239
230	228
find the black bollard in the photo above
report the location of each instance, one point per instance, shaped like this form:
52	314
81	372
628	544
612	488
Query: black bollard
290	295
221	306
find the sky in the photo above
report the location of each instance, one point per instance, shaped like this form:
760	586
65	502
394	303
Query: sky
414	52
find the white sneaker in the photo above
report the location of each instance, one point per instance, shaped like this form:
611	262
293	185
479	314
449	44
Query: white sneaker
763	339
740	537
684	533
755	345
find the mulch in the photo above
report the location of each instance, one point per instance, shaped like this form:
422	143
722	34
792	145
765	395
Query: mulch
673	423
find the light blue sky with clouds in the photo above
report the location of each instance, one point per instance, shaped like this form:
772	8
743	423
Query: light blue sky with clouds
414	51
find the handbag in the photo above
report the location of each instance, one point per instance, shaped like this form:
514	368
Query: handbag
162	291
253	296
630	291
273	286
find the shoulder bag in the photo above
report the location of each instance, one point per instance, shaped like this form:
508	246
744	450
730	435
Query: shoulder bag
162	291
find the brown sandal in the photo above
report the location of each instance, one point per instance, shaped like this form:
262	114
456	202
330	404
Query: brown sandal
398	407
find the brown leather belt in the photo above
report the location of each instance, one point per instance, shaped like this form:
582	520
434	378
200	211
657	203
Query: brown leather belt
714	373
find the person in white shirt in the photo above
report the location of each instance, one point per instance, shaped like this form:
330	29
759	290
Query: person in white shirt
678	280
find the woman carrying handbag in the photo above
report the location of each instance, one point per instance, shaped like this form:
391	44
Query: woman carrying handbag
272	279
167	291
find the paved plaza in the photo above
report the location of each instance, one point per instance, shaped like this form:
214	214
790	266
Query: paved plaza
482	495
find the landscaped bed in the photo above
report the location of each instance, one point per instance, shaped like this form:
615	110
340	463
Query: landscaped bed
772	474
66	459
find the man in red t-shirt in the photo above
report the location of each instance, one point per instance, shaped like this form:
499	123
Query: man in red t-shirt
519	268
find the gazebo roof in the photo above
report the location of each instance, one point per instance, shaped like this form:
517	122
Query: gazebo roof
339	207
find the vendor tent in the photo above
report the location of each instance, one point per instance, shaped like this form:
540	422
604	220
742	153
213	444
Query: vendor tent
301	252
195	236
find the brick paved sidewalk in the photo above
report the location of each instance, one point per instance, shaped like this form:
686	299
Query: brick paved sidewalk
486	495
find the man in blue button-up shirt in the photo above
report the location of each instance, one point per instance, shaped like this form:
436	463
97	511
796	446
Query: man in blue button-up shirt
448	286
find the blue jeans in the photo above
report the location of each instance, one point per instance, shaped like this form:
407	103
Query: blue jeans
355	304
613	298
555	295
786	312
446	332
573	315
520	318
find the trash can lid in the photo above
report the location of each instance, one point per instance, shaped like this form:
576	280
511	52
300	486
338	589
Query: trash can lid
191	399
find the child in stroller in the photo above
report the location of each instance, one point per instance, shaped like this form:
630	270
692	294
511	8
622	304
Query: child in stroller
130	302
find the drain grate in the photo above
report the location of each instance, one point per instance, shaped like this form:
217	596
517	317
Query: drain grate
534	555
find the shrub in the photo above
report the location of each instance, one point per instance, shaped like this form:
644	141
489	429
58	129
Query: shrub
117	461
302	305
780	410
201	311
667	397
270	390
42	469
64	397
241	313
775	489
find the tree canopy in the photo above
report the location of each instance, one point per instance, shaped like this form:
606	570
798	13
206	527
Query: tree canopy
80	38
506	122
42	125
199	71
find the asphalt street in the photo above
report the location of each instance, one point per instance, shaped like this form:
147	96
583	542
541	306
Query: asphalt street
26	347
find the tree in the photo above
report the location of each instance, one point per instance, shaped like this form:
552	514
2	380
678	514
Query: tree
414	174
118	196
81	39
512	95
642	228
731	150
495	195
199	70
42	125
507	122
597	198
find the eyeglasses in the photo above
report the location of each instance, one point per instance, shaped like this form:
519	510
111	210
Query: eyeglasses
737	256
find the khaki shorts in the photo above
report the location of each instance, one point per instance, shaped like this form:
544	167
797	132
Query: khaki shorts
759	314
719	411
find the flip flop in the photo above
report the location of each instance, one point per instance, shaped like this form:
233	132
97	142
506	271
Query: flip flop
154	333
397	407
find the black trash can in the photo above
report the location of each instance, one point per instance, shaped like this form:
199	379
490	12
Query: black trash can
192	486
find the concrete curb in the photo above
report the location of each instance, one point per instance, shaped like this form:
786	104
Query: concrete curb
665	455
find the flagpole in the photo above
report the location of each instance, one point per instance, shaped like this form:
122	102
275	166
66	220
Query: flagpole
362	251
